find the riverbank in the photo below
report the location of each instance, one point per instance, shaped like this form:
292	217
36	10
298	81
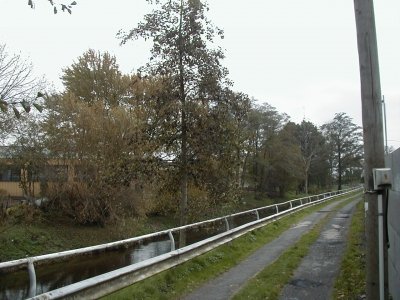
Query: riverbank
31	232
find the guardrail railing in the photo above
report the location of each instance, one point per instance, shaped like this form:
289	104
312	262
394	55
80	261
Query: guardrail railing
100	285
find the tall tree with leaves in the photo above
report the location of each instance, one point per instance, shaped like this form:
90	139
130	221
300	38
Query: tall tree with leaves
285	161
264	125
311	143
102	119
345	143
182	36
96	77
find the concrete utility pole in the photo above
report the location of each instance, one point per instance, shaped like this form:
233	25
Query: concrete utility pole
373	135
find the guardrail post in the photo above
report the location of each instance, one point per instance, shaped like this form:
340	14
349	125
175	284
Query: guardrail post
258	216
226	224
291	206
32	279
276	206
301	201
171	237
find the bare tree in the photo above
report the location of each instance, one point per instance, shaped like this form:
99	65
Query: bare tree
18	85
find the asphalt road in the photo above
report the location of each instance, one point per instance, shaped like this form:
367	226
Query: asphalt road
331	243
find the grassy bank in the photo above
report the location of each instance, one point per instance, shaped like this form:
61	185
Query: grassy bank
175	282
351	282
30	232
41	235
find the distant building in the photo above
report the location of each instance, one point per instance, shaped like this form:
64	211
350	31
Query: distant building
21	182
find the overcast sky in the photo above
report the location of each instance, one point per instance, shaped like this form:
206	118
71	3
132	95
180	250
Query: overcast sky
299	56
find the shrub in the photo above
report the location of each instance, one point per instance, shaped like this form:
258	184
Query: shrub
97	203
84	204
23	213
133	200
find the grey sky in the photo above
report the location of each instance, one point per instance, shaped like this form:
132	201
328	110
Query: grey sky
299	56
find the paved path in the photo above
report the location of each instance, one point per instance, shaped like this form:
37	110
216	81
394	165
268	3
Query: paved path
227	284
315	277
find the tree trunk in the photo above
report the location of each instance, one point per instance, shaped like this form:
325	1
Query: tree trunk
183	207
244	169
339	171
307	164
306	182
184	162
255	166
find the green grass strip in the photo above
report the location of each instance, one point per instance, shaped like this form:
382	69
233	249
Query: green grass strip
180	280
351	281
269	283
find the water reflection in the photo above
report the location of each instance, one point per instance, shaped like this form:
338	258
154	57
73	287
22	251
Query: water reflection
50	277
148	251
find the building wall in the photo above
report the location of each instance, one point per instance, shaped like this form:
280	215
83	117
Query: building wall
8	188
11	176
13	189
393	162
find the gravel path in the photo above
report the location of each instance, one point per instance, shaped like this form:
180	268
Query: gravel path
315	277
227	284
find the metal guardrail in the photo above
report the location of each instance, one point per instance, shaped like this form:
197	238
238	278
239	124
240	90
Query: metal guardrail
103	284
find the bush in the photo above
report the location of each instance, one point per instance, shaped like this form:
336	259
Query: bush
86	205
23	213
97	204
135	200
201	202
